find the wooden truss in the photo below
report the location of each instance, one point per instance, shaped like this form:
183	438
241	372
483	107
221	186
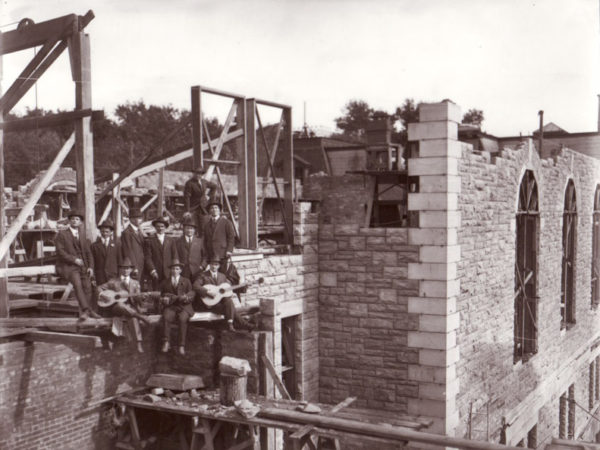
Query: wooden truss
54	36
245	117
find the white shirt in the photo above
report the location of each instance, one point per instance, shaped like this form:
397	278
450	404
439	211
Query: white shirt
174	281
75	232
161	238
189	239
125	280
106	241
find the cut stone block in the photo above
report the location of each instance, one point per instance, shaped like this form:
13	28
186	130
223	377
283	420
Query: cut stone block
418	201
441	147
432	130
433	166
176	382
445	110
439	253
439	183
234	366
434	306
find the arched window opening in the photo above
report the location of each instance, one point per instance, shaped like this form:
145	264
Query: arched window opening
567	300
596	250
526	269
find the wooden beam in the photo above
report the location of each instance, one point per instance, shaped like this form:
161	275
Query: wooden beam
197	157
117	211
19	322
308	428
221	140
18	223
161	191
27	271
4	310
288	174
37	34
79	50
63	338
251	175
51	120
400	434
149	202
269	365
9	332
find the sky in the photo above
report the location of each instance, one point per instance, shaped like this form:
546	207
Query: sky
509	58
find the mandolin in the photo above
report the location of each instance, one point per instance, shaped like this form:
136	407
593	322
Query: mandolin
223	290
109	297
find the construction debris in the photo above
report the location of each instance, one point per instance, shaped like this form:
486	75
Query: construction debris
176	382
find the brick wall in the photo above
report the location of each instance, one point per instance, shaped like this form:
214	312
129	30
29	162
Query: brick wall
521	393
46	389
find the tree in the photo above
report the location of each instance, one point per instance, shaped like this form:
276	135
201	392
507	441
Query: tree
473	117
406	113
356	115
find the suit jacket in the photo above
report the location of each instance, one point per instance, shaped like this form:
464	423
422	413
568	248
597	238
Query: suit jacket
68	249
159	256
206	278
194	194
233	277
183	288
132	246
219	237
191	256
115	284
106	260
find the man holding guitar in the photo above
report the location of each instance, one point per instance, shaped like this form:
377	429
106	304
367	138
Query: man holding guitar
214	292
122	297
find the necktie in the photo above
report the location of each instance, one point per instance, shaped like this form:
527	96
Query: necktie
106	242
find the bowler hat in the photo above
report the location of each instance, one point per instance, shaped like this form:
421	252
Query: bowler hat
162	220
75	212
214	259
215	202
189	222
175	262
135	212
107	224
125	262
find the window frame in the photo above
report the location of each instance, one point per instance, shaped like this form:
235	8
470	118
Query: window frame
569	246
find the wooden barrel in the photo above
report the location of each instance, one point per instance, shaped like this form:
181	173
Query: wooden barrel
232	388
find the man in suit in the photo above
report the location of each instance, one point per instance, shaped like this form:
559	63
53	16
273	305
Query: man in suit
190	250
219	234
233	278
132	243
130	308
212	276
194	195
75	263
159	252
105	252
176	297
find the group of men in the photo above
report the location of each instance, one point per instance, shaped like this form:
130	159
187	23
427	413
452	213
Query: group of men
177	271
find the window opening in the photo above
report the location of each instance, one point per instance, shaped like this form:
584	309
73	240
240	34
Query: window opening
288	354
567	305
525	298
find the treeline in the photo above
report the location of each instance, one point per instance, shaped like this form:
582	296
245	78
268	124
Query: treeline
119	141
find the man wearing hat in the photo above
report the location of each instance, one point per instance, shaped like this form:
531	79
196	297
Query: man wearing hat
76	264
176	297
158	253
212	276
219	234
190	250
132	243
131	307
105	252
194	195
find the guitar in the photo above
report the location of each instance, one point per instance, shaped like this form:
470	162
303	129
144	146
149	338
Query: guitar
109	297
223	290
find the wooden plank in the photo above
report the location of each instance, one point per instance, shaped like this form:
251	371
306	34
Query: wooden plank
400	434
117	212
27	271
308	428
79	50
18	322
221	140
63	338
269	365
18	223
51	120
175	381
242	148
8	332
149	202
161	191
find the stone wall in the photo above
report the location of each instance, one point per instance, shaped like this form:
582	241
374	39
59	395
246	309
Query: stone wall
525	393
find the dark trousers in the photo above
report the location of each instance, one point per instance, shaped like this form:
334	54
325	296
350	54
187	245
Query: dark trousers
125	310
200	217
82	287
172	314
